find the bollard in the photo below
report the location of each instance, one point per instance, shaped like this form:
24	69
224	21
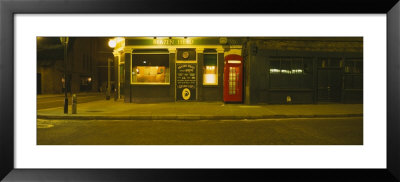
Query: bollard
74	104
108	94
115	94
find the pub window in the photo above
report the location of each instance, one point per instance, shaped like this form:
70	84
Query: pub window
290	73
210	69
150	68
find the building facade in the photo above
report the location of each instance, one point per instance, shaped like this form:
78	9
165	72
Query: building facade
273	70
304	70
86	65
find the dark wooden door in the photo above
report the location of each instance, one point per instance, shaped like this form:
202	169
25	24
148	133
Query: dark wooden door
329	85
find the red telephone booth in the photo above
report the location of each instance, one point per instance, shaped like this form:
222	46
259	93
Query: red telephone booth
233	78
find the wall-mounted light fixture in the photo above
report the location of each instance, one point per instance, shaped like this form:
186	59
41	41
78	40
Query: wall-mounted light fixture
112	43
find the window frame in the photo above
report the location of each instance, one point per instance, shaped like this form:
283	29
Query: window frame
290	76
351	74
216	65
149	83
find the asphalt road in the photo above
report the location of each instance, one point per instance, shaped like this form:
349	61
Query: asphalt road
315	131
51	101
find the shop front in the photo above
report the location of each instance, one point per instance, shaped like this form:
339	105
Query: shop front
249	70
168	69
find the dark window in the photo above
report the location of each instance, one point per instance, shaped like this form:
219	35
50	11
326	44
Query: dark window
353	74
353	66
330	62
290	73
85	83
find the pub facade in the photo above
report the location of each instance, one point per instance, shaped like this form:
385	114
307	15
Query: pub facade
249	70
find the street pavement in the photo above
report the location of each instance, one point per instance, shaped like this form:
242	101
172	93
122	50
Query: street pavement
57	100
109	122
119	110
300	131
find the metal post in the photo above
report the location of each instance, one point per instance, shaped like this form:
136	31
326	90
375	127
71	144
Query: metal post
116	78
74	104
108	80
65	42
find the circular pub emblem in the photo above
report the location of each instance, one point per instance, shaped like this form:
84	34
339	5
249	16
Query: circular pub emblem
185	54
186	94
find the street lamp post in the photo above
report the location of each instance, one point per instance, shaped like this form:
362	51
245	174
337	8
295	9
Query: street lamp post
64	41
108	80
111	43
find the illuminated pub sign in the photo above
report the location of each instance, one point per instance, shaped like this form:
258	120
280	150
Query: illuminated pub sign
185	41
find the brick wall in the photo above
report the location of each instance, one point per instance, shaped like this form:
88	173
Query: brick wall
51	77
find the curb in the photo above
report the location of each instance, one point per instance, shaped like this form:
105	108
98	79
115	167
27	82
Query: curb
192	117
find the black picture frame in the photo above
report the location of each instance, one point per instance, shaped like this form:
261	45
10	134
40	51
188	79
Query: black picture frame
9	8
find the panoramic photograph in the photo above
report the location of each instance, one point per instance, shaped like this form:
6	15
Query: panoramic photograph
199	90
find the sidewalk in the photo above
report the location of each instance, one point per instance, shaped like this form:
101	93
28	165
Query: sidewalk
111	110
80	94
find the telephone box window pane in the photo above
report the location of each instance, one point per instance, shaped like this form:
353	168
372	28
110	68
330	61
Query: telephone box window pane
210	69
232	80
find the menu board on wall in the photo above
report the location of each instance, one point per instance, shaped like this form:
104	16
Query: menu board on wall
186	81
